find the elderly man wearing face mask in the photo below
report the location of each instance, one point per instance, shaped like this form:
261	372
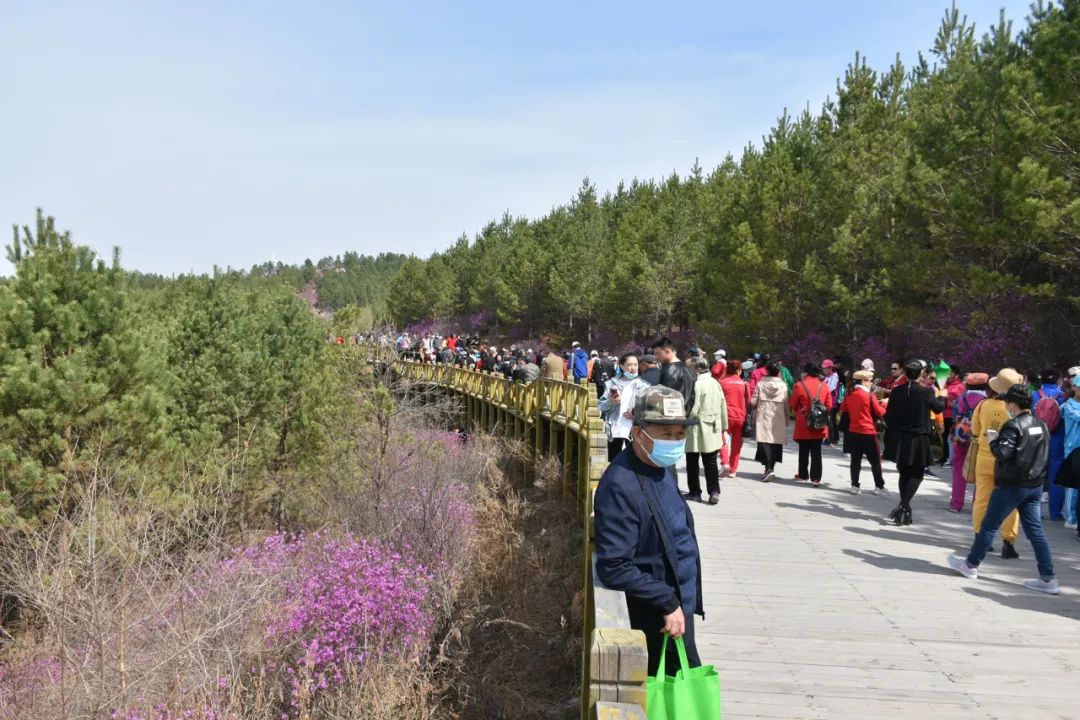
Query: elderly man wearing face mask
645	540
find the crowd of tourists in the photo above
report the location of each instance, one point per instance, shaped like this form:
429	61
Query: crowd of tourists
1012	437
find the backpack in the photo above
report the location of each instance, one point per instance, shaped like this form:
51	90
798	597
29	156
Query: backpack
1047	410
817	415
962	422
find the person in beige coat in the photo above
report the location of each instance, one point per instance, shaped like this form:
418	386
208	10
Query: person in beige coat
553	367
770	420
704	440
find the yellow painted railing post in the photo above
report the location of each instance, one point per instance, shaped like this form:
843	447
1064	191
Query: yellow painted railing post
563	420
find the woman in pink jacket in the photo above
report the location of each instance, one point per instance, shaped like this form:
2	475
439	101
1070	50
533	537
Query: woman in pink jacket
737	394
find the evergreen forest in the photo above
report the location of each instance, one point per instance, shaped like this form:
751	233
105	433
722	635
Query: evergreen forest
930	209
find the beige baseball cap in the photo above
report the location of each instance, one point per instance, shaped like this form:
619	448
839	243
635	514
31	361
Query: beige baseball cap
660	405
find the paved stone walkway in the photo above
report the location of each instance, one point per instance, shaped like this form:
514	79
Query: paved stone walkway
817	609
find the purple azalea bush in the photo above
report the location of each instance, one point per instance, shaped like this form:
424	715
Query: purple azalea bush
337	604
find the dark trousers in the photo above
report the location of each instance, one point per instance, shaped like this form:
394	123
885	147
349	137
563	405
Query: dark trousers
654	640
810	459
910	479
864	445
615	446
712	472
834	429
945	439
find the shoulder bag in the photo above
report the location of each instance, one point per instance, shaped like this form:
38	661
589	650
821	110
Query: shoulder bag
968	471
666	542
748	425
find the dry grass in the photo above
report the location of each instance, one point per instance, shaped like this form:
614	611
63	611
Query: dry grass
513	650
108	622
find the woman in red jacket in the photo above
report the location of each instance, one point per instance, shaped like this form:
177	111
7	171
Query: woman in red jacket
806	391
863	409
737	393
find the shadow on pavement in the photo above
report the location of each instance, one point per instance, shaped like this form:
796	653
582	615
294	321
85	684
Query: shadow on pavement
1061	605
829	508
893	562
920	538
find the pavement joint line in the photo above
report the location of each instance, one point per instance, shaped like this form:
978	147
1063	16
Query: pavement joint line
897	589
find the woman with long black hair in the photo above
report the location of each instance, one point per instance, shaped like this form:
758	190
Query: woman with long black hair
907	435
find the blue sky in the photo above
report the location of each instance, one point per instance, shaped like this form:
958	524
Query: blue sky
200	133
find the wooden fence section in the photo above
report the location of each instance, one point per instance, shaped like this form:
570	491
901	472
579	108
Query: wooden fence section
562	420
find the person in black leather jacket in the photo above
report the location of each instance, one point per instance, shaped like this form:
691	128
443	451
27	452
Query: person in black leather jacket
1022	450
673	372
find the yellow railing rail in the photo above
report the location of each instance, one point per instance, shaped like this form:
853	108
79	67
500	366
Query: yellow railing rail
561	420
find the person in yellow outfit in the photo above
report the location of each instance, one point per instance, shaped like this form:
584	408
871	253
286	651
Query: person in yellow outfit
990	414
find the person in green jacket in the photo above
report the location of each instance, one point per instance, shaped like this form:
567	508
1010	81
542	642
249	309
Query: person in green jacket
786	376
704	440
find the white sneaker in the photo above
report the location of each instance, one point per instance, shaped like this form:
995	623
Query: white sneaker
960	565
767	477
880	491
854	490
1070	526
1050	587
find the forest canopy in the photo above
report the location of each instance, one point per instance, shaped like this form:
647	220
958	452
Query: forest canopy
930	209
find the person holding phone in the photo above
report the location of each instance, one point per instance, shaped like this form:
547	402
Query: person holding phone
617	404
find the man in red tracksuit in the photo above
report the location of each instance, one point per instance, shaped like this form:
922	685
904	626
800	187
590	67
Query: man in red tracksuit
863	409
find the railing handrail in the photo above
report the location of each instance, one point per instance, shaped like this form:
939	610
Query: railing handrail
614	656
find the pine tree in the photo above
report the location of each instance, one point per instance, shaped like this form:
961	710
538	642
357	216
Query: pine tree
77	383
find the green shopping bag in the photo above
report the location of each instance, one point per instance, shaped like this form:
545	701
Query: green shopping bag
692	694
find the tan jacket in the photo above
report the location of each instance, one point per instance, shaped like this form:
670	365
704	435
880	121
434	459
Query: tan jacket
770	411
552	367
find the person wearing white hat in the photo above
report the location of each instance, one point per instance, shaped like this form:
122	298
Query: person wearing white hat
579	363
719	366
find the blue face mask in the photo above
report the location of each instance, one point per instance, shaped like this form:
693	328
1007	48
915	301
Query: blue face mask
629	375
665	453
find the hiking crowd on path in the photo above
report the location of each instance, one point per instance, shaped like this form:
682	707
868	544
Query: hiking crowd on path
1013	438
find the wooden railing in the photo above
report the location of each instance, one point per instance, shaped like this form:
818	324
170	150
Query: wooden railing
561	420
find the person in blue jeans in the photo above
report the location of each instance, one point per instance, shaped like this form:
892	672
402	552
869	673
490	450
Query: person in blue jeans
1022	451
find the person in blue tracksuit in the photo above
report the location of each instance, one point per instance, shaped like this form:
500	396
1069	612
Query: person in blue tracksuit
579	363
1049	388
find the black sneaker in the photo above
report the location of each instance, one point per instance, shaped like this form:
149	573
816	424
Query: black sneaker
714	498
692	497
1008	551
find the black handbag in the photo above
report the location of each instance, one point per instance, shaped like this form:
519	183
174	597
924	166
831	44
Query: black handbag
748	425
1069	473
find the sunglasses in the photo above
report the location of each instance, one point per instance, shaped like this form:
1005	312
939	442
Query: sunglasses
895	367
